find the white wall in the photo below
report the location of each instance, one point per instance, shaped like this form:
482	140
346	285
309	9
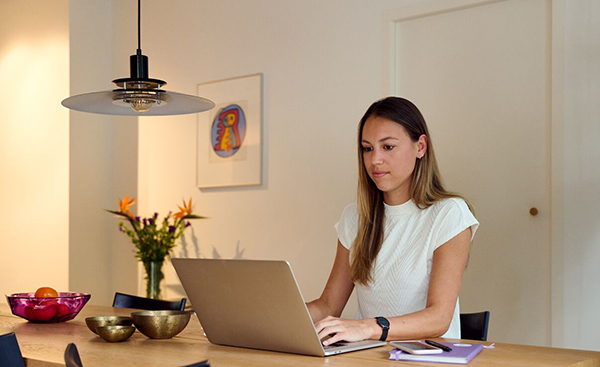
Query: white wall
322	68
103	160
484	92
322	63
34	166
578	268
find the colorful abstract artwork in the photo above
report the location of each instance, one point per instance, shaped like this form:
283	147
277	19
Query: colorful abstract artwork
228	130
229	135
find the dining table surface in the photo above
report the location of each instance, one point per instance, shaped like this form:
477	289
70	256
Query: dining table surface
43	345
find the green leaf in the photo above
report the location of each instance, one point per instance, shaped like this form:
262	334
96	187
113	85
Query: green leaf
193	216
121	214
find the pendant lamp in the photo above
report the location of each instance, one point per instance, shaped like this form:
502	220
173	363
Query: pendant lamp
138	95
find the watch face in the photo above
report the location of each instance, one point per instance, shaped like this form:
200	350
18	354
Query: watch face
383	322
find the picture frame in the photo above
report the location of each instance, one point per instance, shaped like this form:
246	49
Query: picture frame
230	135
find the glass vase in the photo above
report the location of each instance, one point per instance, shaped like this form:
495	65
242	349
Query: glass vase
154	277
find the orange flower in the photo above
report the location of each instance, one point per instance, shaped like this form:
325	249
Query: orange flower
125	204
185	211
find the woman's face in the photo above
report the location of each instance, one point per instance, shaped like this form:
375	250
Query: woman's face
389	156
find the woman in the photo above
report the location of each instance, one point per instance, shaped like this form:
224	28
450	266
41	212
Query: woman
404	244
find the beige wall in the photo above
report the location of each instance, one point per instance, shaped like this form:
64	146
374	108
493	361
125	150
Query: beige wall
485	96
34	145
322	68
577	271
322	65
103	158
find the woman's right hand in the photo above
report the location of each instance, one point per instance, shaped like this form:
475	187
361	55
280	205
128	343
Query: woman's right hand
338	329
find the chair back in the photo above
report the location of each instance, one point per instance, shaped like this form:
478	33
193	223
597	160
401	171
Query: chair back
72	356
474	326
129	301
199	364
10	353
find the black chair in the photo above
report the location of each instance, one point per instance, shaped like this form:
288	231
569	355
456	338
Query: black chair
128	301
72	356
474	326
199	364
10	353
72	359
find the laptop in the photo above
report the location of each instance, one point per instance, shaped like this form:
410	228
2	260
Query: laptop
254	304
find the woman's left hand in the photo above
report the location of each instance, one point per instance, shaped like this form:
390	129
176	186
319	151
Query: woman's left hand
344	329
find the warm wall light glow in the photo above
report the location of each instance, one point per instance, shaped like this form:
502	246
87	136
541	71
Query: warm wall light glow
34	161
38	77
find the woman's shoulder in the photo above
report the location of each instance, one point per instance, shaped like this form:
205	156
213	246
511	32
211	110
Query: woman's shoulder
347	226
447	206
450	216
450	204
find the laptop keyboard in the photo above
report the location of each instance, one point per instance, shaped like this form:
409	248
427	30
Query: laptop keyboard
335	345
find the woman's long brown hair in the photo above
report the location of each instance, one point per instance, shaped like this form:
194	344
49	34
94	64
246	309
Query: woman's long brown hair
426	186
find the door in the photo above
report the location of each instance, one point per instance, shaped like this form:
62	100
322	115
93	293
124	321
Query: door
481	77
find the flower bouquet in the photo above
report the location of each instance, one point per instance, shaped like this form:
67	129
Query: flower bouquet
154	239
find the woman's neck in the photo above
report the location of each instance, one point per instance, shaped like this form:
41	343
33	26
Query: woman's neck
396	198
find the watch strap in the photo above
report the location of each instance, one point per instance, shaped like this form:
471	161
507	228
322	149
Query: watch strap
385	327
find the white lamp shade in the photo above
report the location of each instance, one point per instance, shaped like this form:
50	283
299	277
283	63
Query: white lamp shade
104	103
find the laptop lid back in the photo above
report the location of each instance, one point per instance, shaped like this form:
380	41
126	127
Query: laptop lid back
249	303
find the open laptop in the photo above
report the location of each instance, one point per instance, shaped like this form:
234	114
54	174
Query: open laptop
254	304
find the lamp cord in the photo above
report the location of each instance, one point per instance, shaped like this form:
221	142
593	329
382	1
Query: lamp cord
139	27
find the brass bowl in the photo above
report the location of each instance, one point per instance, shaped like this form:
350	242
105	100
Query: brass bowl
99	321
160	324
115	333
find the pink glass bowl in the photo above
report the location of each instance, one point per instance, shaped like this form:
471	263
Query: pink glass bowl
47	309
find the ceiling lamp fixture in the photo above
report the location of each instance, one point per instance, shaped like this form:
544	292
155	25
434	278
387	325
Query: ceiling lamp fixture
138	94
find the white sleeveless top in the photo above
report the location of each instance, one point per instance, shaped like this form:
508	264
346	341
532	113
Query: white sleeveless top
403	266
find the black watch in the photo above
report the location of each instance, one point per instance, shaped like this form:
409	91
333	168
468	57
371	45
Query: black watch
385	325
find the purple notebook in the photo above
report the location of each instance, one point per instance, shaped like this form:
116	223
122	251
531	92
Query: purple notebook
461	353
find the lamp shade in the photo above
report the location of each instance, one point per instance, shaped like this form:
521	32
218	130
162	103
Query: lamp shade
138	95
110	103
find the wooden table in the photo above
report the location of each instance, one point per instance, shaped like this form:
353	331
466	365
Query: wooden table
43	345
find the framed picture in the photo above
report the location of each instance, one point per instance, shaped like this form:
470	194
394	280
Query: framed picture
229	135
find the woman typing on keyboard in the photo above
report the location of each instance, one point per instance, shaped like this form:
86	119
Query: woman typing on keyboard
404	244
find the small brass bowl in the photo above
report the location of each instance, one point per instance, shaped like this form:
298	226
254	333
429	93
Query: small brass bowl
98	321
115	333
160	324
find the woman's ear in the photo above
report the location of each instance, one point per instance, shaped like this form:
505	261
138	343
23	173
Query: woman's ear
422	146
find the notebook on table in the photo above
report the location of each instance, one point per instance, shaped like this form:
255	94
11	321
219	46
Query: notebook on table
254	304
461	353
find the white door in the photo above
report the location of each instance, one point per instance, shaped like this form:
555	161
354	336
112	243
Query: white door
481	77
